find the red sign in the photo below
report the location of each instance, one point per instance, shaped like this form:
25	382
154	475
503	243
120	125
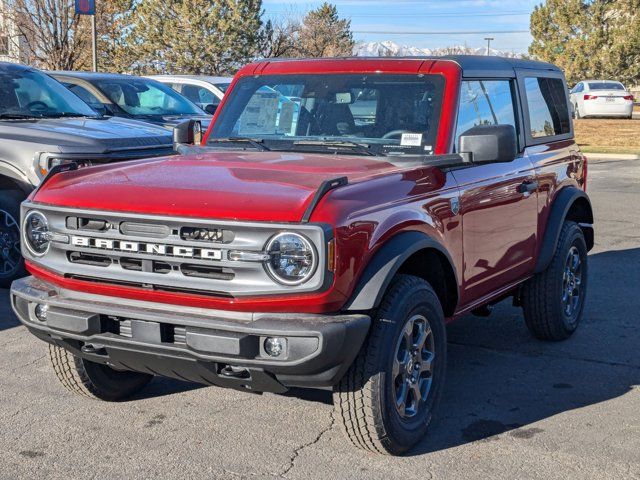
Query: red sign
85	7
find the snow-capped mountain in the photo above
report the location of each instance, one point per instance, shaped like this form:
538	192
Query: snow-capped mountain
392	49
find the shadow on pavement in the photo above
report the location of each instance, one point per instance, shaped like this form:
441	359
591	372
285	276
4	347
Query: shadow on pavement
7	317
499	378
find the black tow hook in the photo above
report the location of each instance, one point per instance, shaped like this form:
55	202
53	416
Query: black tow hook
93	349
235	372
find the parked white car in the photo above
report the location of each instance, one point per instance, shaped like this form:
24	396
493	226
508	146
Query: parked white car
601	98
203	90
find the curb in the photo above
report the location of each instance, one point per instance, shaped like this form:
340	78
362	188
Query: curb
612	156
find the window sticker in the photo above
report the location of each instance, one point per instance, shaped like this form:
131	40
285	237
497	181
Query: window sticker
411	139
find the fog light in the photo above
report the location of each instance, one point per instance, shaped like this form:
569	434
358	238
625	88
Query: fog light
274	346
41	312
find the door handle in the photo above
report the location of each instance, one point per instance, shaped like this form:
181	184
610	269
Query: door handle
528	186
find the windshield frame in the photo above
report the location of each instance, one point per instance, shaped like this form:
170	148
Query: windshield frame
64	102
430	138
100	83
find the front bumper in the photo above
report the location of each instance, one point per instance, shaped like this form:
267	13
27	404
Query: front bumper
193	344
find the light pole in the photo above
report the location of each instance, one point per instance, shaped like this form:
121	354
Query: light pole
488	39
94	34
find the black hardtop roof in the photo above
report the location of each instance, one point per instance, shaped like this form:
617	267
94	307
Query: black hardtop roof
473	64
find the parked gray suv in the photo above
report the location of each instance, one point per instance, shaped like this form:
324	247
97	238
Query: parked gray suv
42	124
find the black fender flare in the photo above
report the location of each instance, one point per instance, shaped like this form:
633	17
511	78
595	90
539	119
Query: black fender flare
563	202
386	262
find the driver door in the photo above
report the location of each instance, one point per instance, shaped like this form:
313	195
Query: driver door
498	201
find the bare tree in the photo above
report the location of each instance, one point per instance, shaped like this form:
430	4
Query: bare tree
280	37
56	38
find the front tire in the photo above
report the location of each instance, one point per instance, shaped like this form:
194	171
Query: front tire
386	400
553	300
11	261
94	380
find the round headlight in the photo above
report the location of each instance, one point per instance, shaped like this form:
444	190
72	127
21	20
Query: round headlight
293	258
36	233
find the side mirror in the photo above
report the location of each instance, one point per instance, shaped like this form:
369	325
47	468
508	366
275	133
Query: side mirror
188	132
210	108
489	143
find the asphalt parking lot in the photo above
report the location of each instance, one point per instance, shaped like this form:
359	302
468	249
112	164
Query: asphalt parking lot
513	408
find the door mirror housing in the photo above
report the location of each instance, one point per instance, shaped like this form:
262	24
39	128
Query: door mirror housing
188	132
489	144
210	108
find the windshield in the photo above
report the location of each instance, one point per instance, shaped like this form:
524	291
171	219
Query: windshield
32	94
390	114
145	97
606	86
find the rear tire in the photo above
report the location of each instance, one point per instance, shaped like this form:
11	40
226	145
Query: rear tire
11	261
386	400
553	300
94	380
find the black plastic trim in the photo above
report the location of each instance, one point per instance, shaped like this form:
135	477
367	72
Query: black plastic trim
323	189
565	198
385	264
65	167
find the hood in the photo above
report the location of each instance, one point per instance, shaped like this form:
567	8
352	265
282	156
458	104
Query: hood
86	135
251	186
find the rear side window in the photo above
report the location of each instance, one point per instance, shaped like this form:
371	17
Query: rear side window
485	102
548	111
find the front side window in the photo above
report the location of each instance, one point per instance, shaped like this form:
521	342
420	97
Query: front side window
86	96
485	102
199	95
29	93
389	113
548	111
137	96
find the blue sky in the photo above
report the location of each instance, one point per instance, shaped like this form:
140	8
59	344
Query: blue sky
401	16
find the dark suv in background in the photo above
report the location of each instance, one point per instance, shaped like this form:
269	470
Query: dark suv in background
133	97
42	125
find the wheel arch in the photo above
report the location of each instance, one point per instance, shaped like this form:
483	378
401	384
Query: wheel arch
12	179
573	204
412	253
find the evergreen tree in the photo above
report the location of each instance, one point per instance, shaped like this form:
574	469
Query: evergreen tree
213	37
323	34
589	38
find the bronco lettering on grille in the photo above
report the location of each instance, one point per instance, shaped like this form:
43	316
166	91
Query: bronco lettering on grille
148	248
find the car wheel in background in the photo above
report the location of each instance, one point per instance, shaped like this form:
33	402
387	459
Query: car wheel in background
11	261
385	401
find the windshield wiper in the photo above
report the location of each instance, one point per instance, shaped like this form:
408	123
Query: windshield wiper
15	116
255	143
362	148
67	114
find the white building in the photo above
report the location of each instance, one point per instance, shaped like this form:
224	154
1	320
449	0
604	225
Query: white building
12	44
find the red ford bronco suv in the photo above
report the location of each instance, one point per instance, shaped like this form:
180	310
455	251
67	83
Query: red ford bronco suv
335	216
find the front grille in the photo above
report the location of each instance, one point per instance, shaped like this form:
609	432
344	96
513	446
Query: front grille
167	253
147	230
